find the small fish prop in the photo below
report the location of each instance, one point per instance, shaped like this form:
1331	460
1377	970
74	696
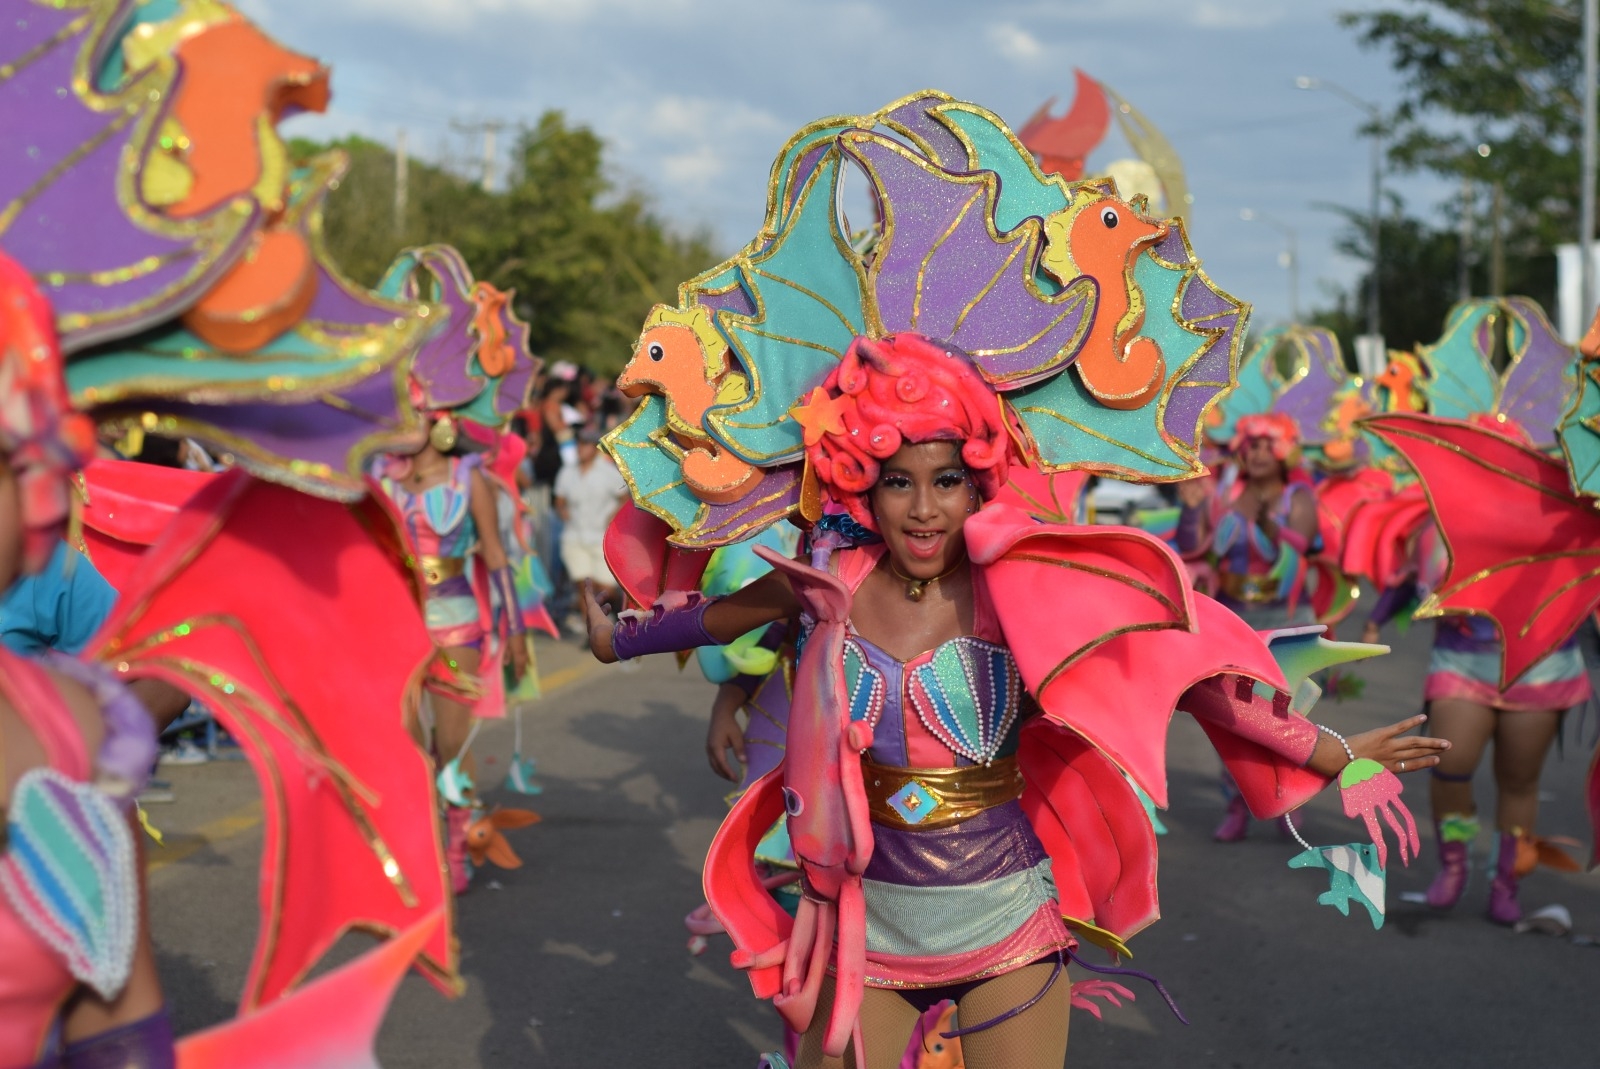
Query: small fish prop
520	778
455	784
1367	788
929	1049
1356	874
486	839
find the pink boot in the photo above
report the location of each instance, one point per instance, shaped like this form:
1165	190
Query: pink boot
456	820
1503	905
1454	833
1236	825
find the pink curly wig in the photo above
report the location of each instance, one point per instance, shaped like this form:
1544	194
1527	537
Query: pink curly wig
1275	427
902	389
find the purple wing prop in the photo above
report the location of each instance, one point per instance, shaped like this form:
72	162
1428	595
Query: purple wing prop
774	496
1208	310
70	211
1540	382
437	273
764	735
940	270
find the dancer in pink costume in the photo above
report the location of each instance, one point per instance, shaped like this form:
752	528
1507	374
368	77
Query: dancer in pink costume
952	770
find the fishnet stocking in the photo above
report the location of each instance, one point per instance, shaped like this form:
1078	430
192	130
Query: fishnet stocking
1034	1039
886	1024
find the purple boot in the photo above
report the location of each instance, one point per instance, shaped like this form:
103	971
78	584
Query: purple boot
1454	834
1503	905
1236	825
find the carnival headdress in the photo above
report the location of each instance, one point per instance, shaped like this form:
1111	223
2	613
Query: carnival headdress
157	208
1102	341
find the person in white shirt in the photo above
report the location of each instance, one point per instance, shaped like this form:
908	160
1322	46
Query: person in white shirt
588	493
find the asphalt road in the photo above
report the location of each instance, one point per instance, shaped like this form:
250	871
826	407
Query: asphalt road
579	958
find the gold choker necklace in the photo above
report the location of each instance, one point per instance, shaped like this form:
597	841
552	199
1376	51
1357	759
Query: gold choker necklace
915	588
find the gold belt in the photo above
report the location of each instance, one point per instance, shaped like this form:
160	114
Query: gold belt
1251	588
438	569
918	798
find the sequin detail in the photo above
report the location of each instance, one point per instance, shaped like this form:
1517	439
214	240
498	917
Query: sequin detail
968	696
68	872
864	684
913	802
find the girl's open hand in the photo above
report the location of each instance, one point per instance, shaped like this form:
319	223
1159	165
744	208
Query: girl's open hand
1396	751
600	625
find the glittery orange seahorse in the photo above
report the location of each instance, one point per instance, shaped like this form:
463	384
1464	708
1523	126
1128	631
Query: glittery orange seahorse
681	356
220	142
1099	235
1400	379
1349	406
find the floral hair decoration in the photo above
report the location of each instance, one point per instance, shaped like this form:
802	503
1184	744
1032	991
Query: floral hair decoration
886	392
43	439
1278	429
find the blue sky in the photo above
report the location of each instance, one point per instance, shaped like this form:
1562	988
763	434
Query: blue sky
695	96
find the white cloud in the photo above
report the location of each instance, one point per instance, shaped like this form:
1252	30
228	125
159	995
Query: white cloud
1236	15
1015	43
460	16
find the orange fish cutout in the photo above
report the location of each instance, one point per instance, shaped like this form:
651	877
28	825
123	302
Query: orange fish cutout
237	83
938	1052
495	354
681	356
486	839
266	292
1100	236
1400	377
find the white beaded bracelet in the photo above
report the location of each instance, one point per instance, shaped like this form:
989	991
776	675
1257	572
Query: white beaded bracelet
1342	741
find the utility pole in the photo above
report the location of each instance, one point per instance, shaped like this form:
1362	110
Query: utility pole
401	183
1591	61
489	128
1497	249
1464	243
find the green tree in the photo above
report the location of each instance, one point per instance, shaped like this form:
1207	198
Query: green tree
585	259
1419	279
1501	73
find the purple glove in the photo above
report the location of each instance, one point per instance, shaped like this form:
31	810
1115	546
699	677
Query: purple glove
664	630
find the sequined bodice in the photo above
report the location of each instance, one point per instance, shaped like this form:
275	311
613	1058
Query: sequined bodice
439	519
966	694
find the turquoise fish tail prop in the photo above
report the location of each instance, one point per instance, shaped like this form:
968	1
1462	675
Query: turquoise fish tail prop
1355	875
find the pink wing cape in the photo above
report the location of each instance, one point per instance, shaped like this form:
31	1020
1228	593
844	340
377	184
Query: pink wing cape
1524	549
297	622
127	507
1377	543
330	1023
1111	640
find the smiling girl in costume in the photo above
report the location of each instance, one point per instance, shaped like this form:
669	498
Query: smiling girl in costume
952	776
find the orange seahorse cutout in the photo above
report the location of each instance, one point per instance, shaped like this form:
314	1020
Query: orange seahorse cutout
236	84
1348	407
1400	379
1100	235
681	356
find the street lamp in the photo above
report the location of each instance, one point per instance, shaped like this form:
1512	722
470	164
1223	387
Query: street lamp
1289	259
1376	115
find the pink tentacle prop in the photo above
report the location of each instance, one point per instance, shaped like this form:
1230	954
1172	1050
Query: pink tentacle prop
850	970
1367	788
799	1004
1084	992
828	820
